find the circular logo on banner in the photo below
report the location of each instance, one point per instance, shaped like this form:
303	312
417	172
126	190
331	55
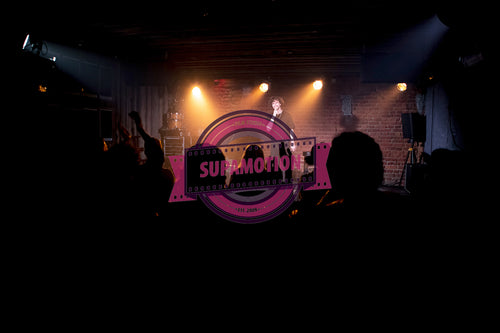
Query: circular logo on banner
243	167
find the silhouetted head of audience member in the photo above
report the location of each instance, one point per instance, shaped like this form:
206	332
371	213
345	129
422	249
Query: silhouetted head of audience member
253	152
154	152
355	165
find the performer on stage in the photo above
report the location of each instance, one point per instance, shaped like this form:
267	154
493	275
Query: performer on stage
278	104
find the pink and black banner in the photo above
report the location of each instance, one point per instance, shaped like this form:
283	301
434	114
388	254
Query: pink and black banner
248	167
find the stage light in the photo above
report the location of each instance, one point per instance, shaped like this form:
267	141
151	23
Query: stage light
264	87
401	86
26	41
196	92
36	46
318	84
42	89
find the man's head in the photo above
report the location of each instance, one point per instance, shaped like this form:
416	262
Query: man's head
355	164
277	102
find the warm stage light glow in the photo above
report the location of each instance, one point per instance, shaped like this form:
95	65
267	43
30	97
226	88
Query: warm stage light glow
318	84
42	89
196	92
304	102
401	86
264	87
198	109
251	98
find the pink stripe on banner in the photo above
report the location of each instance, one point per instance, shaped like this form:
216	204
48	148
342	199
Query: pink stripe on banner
322	178
247	123
178	195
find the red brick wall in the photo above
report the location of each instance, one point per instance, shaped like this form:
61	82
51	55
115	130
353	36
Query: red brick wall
376	111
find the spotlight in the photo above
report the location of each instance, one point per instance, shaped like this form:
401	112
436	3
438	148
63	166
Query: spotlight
26	41
401	86
318	84
264	87
196	92
36	46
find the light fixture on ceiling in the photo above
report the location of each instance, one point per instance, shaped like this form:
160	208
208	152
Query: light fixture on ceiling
318	84
196	92
264	87
402	86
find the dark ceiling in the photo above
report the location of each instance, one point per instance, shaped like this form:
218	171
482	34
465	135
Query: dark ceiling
276	38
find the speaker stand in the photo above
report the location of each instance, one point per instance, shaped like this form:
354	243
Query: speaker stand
410	155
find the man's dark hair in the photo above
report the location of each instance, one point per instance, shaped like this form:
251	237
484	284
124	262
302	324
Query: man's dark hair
355	163
277	98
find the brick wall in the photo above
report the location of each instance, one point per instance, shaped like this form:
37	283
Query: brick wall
376	110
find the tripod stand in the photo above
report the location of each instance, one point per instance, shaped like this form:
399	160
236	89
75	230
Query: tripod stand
410	155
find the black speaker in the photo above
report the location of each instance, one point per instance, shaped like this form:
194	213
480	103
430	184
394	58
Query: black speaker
413	126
